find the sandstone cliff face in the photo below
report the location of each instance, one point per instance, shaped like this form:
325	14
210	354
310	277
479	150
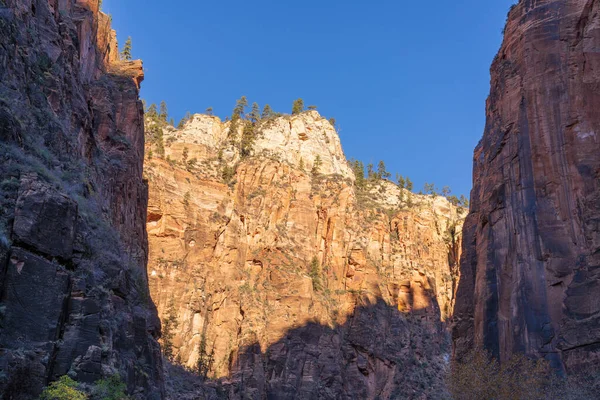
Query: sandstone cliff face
529	272
286	284
73	247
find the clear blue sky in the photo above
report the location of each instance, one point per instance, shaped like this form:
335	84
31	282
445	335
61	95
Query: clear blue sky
406	81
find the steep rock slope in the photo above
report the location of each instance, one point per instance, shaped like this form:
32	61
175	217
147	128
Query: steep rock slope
288	283
73	247
530	275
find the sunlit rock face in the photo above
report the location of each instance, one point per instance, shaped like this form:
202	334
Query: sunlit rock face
529	271
293	284
73	247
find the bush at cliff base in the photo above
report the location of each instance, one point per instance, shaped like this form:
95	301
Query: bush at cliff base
480	376
63	389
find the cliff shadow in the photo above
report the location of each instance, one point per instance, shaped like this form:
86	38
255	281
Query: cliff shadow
379	352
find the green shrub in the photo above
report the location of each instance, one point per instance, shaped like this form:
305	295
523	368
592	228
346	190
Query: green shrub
111	388
63	389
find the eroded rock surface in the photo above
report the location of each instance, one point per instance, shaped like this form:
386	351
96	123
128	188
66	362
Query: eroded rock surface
287	284
530	266
73	287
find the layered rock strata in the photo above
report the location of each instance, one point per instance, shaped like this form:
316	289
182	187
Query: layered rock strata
286	280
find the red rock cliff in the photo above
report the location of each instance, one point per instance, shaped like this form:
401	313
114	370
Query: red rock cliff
530	271
287	284
73	247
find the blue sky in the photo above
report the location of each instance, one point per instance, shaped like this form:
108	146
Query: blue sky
406	81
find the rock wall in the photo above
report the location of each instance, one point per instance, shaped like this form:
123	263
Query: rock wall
282	283
73	248
529	272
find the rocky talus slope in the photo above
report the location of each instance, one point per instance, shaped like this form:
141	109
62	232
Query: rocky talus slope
530	275
73	249
277	282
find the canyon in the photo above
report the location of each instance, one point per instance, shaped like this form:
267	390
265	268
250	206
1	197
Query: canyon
247	258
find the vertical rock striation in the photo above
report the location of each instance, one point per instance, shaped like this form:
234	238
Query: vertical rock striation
73	248
530	270
288	283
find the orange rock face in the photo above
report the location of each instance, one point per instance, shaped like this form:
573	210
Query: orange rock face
286	283
529	272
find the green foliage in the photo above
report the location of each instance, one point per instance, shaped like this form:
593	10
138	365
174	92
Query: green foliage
267	112
382	173
446	191
191	164
152	111
298	106
184	155
187	117
248	137
359	171
332	122
209	111
126	53
240	107
409	184
205	359
64	388
254	115
371	175
401	181
163	115
111	388
227	174
429	188
238	113
316	166
170	324
312	108
315	274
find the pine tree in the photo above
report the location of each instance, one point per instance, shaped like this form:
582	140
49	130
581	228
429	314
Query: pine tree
254	114
168	331
409	184
209	111
163	114
187	117
298	106
247	142
332	122
359	171
381	171
317	165
152	111
312	108
446	191
184	155
429	188
267	112
401	181
126	53
240	107
371	175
